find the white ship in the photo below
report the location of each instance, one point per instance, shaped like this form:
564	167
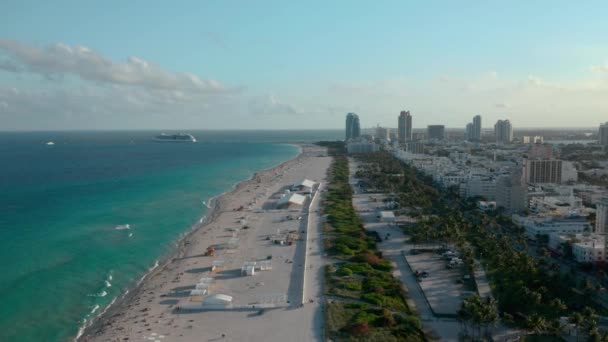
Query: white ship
179	137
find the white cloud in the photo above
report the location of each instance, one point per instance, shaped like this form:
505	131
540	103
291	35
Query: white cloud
270	105
60	60
600	68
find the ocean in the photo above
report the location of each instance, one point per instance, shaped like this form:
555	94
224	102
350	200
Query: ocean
64	260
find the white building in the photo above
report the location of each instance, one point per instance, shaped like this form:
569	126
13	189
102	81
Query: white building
547	225
362	147
585	247
479	185
590	249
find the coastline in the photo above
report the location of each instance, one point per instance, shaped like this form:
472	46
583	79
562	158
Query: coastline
181	247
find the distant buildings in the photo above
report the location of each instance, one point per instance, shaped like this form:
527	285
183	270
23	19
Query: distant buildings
404	130
527	139
603	134
512	192
353	127
541	151
358	147
473	129
382	133
503	132
435	132
415	147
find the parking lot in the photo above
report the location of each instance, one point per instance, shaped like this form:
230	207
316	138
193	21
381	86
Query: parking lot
443	288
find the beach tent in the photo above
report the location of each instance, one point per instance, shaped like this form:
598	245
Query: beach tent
217	265
265	265
305	185
291	200
217	301
248	268
206	280
200	286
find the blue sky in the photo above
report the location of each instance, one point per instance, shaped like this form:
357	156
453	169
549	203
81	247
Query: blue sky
280	64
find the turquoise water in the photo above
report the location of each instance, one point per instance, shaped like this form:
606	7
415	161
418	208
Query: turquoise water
64	261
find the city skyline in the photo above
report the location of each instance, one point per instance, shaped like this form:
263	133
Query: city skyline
121	70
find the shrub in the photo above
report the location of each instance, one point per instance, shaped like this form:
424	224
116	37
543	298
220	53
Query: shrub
344	271
359	329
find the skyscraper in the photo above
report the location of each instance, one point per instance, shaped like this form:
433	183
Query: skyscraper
473	129
503	132
476	133
468	132
353	128
405	126
435	132
603	135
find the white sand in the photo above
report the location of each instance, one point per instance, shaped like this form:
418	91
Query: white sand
149	313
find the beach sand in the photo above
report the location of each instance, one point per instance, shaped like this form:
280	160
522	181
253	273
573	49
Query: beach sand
154	310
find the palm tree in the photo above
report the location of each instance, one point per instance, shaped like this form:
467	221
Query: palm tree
556	328
577	319
536	324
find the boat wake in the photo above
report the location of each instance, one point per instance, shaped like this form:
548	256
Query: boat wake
123	227
101	294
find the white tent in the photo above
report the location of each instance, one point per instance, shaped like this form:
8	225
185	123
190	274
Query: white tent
217	264
292	199
265	265
206	280
198	292
303	185
200	286
217	301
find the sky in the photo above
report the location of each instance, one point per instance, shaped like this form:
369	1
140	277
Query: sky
295	65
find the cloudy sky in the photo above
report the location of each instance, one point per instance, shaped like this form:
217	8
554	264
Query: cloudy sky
282	64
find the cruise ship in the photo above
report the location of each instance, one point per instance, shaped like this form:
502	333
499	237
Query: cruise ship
179	137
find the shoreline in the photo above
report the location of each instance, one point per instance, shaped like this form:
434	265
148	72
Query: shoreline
181	247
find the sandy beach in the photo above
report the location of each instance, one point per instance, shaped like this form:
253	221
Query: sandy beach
244	227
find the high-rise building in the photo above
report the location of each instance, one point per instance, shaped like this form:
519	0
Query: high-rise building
473	129
503	132
512	192
435	132
543	170
468	132
603	134
476	133
405	126
353	128
601	218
